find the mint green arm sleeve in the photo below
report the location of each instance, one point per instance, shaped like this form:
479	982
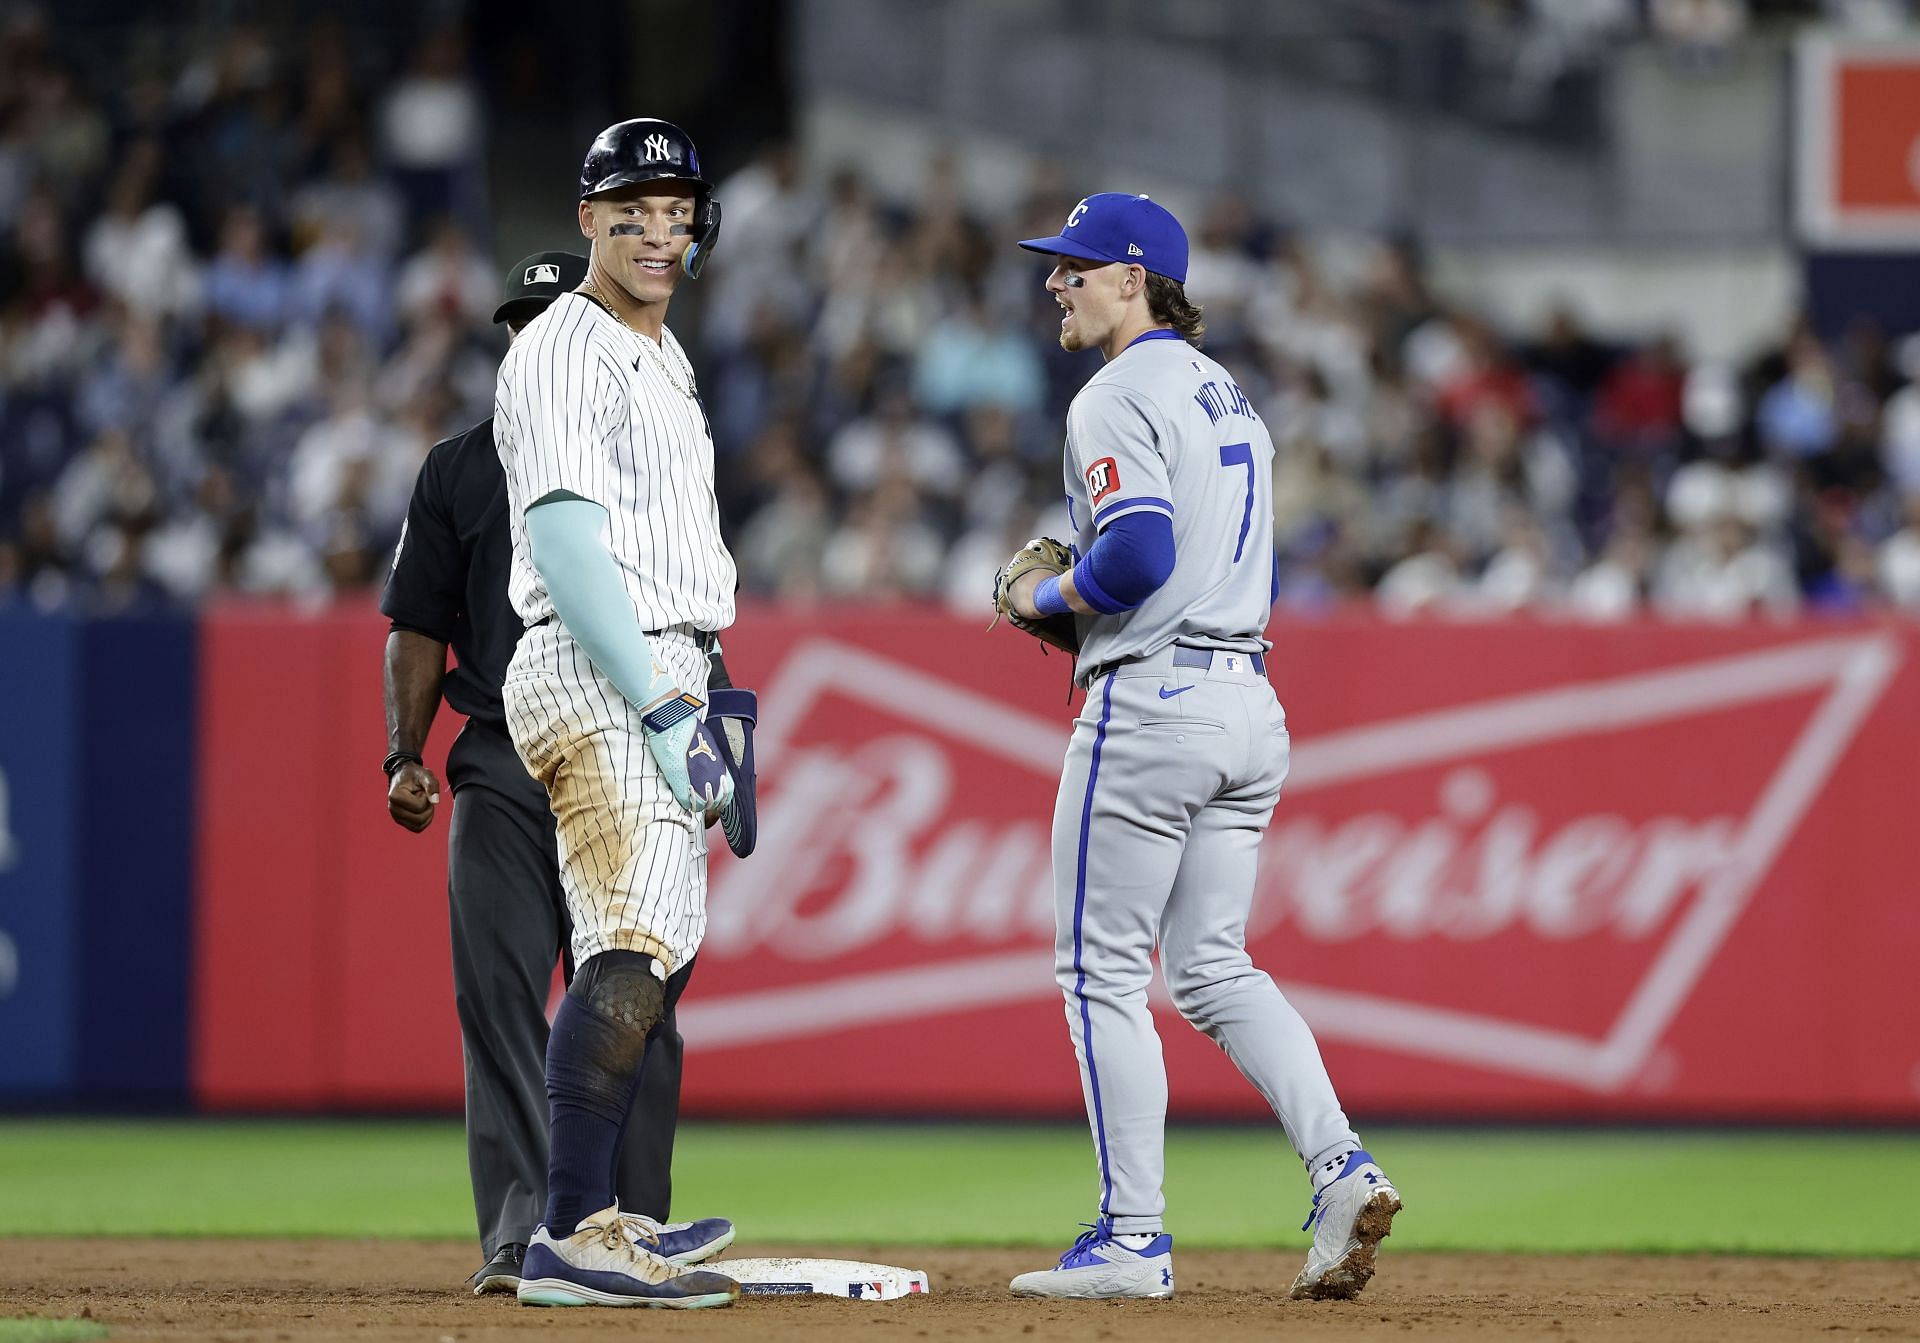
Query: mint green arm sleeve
589	597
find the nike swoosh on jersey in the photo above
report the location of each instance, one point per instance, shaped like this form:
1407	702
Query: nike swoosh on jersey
1169	694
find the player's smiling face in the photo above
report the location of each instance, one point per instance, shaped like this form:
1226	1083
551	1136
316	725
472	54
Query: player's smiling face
640	235
1089	296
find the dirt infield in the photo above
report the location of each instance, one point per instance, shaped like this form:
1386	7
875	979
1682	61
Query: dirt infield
375	1291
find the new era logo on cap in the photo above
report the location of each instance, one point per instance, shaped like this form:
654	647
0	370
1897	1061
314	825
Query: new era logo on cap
541	274
1133	249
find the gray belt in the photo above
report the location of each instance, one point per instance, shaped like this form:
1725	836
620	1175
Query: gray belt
1183	656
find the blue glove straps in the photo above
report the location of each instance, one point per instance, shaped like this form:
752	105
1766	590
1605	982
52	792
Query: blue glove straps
735	711
668	712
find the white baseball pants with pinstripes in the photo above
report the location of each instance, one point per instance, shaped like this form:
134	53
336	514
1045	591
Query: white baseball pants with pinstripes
633	861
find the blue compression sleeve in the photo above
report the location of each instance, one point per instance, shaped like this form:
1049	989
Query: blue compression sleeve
1127	562
589	597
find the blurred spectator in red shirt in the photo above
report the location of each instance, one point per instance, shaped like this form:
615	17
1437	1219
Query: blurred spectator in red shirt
1486	378
1639	402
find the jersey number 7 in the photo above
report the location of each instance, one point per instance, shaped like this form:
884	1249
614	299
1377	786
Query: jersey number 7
1240	454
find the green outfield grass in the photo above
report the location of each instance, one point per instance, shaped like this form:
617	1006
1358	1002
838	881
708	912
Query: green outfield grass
18	1330
1766	1193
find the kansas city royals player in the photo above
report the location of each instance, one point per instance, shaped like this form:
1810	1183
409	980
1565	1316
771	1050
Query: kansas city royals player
622	581
1176	760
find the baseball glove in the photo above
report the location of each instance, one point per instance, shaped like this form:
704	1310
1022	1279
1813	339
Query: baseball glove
1049	557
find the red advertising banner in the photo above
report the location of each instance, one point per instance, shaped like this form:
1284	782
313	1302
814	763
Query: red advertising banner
1857	109
1518	870
322	971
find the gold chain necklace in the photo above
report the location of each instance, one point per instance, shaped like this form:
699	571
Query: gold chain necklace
655	348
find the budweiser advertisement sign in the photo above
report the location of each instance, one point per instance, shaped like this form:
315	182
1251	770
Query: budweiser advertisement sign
1517	869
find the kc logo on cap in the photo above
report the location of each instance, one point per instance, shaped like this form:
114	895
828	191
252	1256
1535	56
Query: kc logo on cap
544	273
1117	227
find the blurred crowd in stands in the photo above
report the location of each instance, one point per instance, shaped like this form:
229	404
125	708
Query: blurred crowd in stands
239	300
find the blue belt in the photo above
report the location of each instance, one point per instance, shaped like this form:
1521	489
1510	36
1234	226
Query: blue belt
1183	657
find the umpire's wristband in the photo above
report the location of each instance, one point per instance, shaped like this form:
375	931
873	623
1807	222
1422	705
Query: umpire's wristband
395	759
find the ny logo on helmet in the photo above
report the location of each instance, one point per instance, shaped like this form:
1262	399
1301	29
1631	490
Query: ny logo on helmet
658	148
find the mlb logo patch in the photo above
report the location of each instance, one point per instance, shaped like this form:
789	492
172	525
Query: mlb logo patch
544	273
1103	478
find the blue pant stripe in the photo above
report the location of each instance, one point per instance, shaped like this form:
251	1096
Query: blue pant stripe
1080	980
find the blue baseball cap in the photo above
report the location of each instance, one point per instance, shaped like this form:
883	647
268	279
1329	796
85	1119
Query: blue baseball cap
1114	226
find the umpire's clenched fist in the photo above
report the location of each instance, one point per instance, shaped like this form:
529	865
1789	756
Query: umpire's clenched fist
412	795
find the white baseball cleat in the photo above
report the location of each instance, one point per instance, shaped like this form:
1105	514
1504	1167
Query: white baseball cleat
600	1265
1351	1215
1099	1267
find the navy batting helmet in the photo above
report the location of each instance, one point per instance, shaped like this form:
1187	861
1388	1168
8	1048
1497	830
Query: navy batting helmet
647	149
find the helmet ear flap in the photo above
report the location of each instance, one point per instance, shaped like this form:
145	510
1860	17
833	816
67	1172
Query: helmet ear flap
706	233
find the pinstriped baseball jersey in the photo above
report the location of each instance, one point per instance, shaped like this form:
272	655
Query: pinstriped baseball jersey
588	406
584	404
1162	428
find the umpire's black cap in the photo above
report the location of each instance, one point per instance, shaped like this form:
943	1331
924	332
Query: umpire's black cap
537	280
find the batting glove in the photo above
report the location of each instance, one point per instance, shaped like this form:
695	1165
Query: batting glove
683	748
736	712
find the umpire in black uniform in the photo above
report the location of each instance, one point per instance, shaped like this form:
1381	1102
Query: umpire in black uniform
448	587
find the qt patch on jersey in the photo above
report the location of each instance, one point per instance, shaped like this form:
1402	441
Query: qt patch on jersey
1103	478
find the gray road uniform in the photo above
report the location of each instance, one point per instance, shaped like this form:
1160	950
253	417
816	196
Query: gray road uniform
1174	767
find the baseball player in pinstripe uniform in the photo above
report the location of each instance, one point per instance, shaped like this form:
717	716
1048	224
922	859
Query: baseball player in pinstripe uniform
1176	761
448	588
622	580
